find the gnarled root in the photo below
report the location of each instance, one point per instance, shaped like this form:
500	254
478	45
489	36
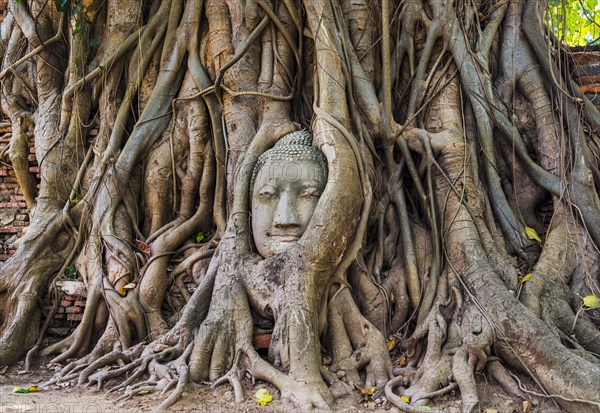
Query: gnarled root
356	343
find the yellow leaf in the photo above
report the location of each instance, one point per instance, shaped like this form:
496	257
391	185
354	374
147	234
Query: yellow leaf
526	278
532	234
368	391
122	291
391	344
591	301
263	396
405	399
32	389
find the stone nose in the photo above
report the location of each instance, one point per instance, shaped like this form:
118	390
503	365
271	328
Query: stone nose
286	214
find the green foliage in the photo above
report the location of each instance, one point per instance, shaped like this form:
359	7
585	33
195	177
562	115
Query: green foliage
199	237
575	22
71	272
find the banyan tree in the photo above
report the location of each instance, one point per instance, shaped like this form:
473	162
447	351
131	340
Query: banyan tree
347	176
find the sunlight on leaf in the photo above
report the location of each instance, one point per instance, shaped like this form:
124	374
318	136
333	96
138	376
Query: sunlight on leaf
532	234
391	344
591	301
122	291
199	237
405	399
263	396
526	278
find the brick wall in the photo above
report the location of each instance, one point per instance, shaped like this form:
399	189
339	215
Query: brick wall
14	218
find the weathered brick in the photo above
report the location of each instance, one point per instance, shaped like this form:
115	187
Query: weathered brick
59	315
60	310
10	230
65	303
262	342
34	169
75	317
4	257
73	310
80	303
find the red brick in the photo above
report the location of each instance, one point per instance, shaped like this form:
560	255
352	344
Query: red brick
11	252
73	310
70	297
74	317
80	303
10	230
65	303
4	257
262	342
11	180
3	172
18	198
34	169
31	157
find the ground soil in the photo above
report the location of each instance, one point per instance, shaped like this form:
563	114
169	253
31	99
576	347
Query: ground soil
69	398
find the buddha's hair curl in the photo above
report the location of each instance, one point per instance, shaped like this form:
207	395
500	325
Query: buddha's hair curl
295	146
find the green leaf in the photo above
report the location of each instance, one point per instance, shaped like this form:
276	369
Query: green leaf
71	272
94	42
591	301
102	68
532	234
199	237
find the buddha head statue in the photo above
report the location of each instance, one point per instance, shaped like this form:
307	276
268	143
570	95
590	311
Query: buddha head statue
286	184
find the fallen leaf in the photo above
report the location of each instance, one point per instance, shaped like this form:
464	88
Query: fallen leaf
527	407
368	391
532	234
391	344
526	278
122	292
24	390
591	301
405	399
263	396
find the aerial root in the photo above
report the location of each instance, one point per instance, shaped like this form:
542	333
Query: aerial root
234	377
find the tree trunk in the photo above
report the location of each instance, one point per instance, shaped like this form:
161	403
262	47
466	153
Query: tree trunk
413	230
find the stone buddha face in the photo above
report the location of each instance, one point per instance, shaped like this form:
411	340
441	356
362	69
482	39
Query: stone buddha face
286	185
